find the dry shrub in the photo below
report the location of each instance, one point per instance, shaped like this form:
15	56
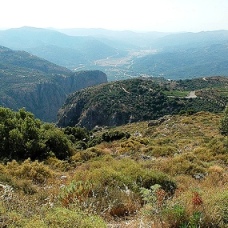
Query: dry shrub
111	187
56	164
2	168
217	176
197	208
186	120
122	210
86	155
160	151
187	163
122	203
35	171
216	206
203	153
131	146
62	217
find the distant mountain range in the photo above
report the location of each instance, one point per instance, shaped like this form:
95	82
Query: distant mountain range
185	63
119	39
38	85
68	51
126	54
154	39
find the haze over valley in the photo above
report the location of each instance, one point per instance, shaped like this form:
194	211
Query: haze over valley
126	54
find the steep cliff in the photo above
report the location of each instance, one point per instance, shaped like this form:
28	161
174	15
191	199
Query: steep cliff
122	102
115	104
38	85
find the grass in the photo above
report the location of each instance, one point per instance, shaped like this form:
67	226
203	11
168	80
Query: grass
112	183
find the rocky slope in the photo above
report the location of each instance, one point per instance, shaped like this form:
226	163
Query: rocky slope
122	102
38	85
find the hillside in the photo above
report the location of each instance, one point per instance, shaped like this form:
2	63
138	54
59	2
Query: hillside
185	63
173	174
125	39
126	54
184	40
53	46
133	100
174	55
38	85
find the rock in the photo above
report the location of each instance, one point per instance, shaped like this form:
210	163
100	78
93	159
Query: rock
198	176
153	123
158	121
145	157
6	192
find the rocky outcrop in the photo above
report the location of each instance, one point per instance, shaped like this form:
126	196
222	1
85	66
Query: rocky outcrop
38	85
121	102
45	99
158	121
114	104
77	115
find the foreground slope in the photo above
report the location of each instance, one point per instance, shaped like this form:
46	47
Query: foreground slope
40	86
122	102
173	174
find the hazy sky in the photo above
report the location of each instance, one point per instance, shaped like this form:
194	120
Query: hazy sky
141	15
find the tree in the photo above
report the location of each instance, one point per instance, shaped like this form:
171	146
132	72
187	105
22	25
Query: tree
23	136
224	123
57	143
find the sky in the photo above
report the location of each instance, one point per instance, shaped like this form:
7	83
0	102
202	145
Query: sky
136	15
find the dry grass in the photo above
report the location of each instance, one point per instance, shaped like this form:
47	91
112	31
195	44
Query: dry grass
101	181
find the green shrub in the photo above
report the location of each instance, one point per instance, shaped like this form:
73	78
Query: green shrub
57	143
175	215
62	217
114	135
77	133
150	178
35	171
23	136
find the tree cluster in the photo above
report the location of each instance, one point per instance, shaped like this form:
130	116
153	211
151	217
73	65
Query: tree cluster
23	136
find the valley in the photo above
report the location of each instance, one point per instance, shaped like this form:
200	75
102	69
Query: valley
119	68
126	54
39	85
111	129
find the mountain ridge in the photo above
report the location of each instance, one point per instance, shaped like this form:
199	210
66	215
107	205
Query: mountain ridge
126	54
121	102
38	85
33	39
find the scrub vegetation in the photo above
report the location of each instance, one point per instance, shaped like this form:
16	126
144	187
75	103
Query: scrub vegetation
173	174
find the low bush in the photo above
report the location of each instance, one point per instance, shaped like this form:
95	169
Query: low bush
107	184
114	135
35	171
62	217
160	151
